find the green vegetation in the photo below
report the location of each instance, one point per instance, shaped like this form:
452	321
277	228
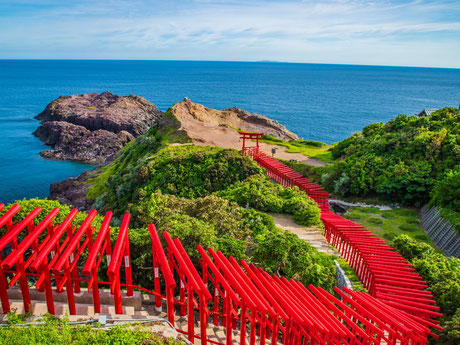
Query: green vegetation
403	161
53	331
310	148
314	173
260	193
28	205
446	195
199	194
388	224
443	276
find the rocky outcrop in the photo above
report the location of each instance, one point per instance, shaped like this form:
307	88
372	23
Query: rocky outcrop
185	122
237	118
73	191
92	127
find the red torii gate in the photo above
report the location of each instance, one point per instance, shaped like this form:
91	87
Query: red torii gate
251	299
250	150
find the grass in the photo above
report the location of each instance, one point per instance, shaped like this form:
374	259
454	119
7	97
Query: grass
389	224
317	150
50	330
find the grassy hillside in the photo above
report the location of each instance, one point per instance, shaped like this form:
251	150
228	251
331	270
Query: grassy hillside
408	160
209	196
309	148
200	195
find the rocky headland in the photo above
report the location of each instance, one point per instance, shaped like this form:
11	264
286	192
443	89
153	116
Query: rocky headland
186	122
92	127
200	123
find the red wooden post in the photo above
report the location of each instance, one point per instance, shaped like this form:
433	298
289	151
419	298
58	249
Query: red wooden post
158	252
157	283
191	314
114	268
229	320
117	294
215	317
183	308
92	262
128	274
203	320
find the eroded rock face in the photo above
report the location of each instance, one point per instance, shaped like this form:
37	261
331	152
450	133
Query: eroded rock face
73	191
235	117
92	127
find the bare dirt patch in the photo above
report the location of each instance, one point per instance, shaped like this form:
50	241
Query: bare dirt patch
312	235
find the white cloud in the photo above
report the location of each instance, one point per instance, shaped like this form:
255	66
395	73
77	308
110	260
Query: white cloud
379	32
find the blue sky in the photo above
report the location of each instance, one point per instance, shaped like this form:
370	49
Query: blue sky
407	33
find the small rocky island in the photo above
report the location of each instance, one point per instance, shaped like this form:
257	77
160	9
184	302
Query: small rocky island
92	127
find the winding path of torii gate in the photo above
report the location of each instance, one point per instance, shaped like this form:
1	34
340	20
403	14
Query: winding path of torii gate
237	295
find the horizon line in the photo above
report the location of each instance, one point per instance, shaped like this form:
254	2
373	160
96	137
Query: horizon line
236	61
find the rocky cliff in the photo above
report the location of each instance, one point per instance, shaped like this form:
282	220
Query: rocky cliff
193	116
92	127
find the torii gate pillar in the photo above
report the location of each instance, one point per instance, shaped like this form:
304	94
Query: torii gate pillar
250	150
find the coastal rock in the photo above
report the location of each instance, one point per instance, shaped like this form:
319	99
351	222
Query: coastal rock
187	111
73	191
92	127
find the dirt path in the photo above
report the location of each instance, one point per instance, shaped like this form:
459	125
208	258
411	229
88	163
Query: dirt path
311	235
225	137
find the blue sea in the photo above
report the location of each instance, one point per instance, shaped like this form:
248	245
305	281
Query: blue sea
317	101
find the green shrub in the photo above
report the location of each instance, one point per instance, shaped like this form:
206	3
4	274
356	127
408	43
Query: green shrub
60	332
389	235
271	138
263	195
402	161
376	220
389	214
412	221
28	205
232	247
450	335
191	231
446	195
285	254
442	274
311	143
422	237
408	227
307	215
355	215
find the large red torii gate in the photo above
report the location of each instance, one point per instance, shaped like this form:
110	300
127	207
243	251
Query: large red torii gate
250	150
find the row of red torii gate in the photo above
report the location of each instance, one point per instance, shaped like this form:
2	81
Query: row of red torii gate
251	305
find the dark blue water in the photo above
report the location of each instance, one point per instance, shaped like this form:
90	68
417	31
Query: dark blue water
318	102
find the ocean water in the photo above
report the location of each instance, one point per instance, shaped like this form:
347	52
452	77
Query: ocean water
318	102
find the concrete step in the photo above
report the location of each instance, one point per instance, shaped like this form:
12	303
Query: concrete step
83	297
61	309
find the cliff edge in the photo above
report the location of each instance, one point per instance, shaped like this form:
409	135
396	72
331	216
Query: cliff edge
217	127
